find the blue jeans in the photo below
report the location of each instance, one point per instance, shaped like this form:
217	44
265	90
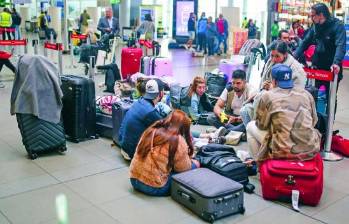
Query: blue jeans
210	45
222	38
155	191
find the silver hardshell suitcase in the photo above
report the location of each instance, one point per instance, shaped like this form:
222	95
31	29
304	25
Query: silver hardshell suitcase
208	194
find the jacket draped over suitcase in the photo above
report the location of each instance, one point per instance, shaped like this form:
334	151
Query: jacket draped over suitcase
36	89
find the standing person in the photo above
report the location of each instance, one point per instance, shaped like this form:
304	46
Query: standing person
294	29
108	24
147	27
83	21
244	23
16	22
223	31
191	30
6	22
5	60
211	33
165	148
274	30
252	29
202	26
330	37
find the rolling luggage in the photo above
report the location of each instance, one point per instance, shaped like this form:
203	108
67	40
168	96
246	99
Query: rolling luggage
161	67
145	65
130	61
208	194
104	125
119	111
227	67
112	74
40	136
79	108
280	177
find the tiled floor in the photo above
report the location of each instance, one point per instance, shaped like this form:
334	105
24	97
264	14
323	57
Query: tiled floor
94	177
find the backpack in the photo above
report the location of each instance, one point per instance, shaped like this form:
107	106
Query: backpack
179	96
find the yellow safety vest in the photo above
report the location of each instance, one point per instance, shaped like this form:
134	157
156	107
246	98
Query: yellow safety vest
5	19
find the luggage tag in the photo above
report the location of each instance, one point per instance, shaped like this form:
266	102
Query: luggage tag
295	200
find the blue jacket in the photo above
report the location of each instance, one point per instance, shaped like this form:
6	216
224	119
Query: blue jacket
211	31
138	118
202	25
103	25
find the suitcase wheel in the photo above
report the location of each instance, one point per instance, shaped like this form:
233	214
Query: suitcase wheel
211	218
62	149
242	210
33	156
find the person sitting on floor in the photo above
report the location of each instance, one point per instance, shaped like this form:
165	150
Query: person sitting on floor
139	117
195	103
164	148
232	99
279	54
285	121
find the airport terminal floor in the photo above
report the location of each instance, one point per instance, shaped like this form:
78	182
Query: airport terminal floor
94	176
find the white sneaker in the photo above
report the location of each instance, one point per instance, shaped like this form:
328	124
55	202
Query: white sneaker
125	155
219	132
210	130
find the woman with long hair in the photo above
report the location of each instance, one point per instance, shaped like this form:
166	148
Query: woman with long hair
164	148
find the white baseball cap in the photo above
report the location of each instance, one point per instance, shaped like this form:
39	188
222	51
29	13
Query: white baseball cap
152	89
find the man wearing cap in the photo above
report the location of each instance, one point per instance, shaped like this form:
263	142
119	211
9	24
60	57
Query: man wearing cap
139	117
285	120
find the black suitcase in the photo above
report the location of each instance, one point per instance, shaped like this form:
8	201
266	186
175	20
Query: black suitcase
40	136
119	110
79	108
104	125
215	83
112	74
224	162
208	194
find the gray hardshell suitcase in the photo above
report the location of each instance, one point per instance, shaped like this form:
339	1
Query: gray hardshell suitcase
208	194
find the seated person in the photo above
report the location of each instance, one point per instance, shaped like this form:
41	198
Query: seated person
139	117
165	148
279	55
285	120
230	102
196	103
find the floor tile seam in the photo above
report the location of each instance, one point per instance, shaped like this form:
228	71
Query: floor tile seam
58	183
7	219
300	212
330	204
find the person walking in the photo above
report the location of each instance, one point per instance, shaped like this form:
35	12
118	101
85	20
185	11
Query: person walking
5	60
83	21
147	28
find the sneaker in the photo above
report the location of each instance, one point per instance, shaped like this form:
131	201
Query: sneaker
219	132
125	155
219	140
2	85
211	130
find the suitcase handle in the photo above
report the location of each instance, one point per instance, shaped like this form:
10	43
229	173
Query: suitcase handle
186	196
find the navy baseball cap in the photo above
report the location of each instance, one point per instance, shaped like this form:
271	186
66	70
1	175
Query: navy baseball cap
283	75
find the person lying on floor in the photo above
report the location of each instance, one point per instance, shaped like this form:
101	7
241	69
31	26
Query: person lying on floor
165	148
279	55
195	102
227	109
285	121
142	114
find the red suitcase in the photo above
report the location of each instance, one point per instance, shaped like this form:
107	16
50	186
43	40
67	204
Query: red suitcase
280	177
130	61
